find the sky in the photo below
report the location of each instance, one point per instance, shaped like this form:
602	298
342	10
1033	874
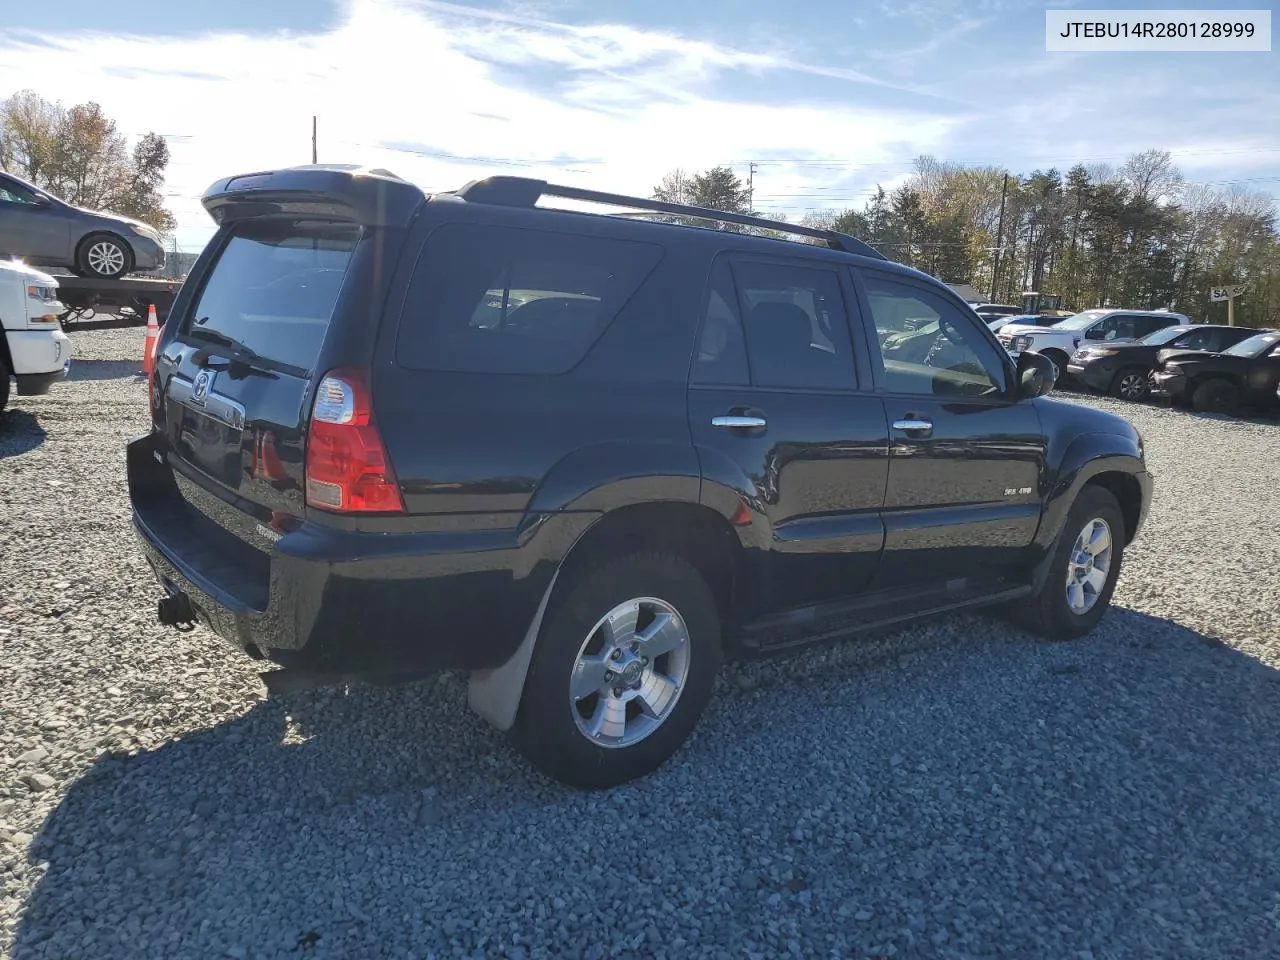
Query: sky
828	98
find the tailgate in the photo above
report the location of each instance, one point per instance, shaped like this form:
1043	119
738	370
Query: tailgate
234	382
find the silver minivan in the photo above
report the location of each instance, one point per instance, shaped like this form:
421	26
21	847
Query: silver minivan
45	231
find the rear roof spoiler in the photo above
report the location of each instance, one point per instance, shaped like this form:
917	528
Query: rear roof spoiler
369	196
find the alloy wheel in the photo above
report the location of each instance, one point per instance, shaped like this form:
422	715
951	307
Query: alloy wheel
1089	566
629	672
106	258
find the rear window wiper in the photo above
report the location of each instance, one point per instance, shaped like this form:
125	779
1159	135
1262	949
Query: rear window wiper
241	355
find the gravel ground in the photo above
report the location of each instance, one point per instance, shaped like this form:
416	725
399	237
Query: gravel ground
956	791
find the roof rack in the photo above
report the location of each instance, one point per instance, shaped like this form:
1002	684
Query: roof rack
526	192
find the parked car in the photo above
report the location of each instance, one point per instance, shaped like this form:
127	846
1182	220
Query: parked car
585	456
1246	374
34	351
46	231
1023	319
1124	369
1061	340
992	311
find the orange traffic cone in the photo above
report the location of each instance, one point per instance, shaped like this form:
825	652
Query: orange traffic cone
149	348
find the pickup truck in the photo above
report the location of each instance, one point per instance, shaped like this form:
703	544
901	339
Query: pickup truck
33	349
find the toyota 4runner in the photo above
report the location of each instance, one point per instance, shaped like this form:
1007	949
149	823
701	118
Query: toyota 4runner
584	456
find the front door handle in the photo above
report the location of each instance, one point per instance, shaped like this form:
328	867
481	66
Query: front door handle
913	425
740	423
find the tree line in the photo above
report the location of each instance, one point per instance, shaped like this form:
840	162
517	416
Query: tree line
77	154
1137	235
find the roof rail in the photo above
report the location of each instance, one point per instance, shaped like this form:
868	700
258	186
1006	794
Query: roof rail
526	192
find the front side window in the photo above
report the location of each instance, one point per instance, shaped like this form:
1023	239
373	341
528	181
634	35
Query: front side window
11	192
941	354
1118	326
274	286
488	299
795	324
1195	340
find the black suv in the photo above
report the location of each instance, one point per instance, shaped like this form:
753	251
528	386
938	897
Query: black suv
1124	369
583	456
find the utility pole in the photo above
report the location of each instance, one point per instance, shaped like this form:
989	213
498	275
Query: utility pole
313	139
751	187
995	270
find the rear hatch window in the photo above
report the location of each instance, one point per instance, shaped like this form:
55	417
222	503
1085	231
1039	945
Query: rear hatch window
235	408
273	289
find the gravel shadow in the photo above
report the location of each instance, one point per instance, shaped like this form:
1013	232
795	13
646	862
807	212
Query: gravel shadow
20	432
106	370
995	796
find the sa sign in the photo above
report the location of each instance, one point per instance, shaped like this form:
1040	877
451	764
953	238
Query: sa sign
1225	293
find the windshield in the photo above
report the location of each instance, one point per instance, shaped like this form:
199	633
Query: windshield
1254	346
1078	321
1162	336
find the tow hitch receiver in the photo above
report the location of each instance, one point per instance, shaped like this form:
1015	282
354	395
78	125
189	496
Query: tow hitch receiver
175	611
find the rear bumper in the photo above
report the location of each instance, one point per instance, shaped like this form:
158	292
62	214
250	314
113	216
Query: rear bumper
337	600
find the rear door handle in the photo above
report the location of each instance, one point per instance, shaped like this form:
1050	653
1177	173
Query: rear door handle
740	423
911	425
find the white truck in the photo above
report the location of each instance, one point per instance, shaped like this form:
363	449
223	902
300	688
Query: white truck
1059	341
33	349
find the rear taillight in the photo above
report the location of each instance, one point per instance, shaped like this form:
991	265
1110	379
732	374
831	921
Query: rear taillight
347	466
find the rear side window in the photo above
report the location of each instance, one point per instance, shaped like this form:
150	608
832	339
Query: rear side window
1146	325
490	299
274	286
797	331
722	350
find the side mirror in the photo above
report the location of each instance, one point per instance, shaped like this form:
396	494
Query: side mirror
1036	375
1097	333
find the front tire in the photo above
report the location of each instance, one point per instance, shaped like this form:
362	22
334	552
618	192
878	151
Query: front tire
1083	570
1059	360
1132	384
103	255
1216	396
624	667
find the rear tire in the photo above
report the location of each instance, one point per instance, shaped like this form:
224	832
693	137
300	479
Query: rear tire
1058	611
588	734
1132	384
103	255
1216	396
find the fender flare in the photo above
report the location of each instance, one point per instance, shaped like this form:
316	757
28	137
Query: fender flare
1087	456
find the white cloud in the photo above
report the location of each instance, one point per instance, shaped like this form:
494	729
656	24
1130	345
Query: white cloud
616	105
466	93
